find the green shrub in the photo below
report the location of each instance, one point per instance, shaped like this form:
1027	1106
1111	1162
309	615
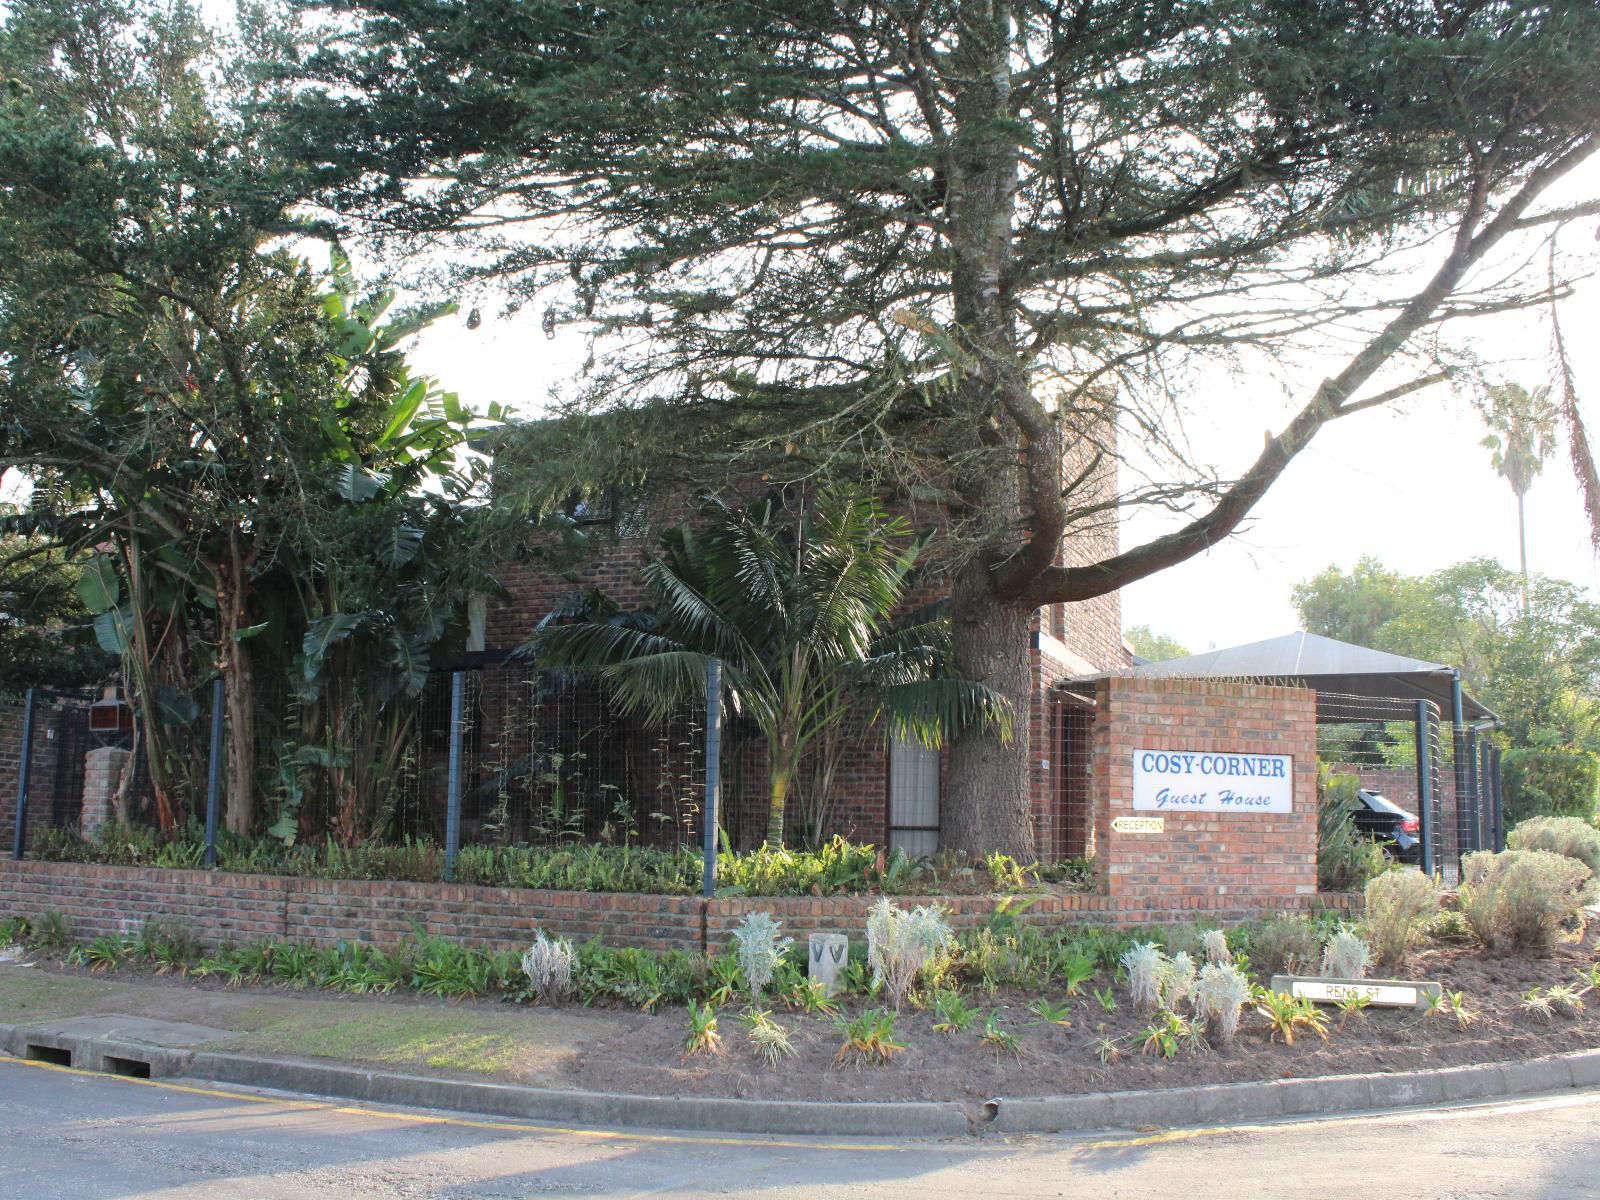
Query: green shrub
1557	782
1518	899
51	930
835	868
1559	835
1400	906
1288	944
1345	859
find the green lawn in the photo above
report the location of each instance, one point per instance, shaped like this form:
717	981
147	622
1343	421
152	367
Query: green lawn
532	1046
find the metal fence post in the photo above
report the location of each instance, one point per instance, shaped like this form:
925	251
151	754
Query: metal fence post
214	772
1499	801
1425	785
713	765
1474	789
24	766
1459	763
452	814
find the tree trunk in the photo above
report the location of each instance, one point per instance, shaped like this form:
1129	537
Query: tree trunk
1522	545
777	792
239	701
988	803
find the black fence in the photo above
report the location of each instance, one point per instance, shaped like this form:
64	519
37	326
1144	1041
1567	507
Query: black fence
1405	751
502	754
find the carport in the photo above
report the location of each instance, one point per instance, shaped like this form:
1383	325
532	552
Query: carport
1368	694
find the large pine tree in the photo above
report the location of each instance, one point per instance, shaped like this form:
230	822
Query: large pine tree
945	245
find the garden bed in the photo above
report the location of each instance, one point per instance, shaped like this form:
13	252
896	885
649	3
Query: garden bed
611	1046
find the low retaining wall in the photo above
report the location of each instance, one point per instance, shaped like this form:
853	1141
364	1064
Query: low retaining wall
220	907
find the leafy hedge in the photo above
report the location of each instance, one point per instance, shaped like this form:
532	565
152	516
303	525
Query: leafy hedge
1558	782
837	868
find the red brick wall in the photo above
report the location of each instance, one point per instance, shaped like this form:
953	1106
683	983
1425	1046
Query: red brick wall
1205	861
220	907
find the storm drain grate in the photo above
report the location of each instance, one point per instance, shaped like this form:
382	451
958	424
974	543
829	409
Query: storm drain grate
54	1055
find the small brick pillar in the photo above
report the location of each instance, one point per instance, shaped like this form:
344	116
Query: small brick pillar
102	772
1221	861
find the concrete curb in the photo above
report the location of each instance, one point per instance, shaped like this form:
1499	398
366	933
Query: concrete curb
1166	1108
881	1119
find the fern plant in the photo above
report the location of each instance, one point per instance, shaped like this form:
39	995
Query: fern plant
1052	1014
869	1039
952	1013
703	1037
999	1039
767	1038
1285	1014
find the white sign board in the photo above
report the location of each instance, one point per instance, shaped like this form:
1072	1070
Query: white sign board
1192	781
1331	993
1138	824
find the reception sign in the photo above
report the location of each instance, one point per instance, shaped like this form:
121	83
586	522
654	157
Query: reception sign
1191	781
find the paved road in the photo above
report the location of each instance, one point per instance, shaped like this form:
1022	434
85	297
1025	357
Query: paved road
64	1134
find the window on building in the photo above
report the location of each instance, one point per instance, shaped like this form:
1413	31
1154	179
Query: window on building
913	798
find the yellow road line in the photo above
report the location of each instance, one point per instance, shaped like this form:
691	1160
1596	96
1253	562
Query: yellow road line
1031	1144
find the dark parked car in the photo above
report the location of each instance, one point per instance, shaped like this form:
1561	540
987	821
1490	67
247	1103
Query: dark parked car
1399	832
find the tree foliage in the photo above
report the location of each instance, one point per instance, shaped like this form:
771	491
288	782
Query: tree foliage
1157	647
954	248
46	633
1538	669
235	436
1522	435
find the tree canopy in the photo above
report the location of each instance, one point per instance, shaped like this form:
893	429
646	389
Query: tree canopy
1156	647
228	441
969	251
1538	669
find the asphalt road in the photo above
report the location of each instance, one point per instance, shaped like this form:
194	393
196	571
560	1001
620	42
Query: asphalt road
64	1134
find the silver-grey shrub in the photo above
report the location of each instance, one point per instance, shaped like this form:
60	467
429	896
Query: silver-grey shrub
1215	944
1177	980
1346	956
1220	994
1572	836
548	965
1146	967
901	944
760	948
1519	899
1399	907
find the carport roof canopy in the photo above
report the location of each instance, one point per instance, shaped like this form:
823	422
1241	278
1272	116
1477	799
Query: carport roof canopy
1325	665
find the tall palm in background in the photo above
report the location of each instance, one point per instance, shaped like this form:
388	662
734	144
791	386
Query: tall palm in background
799	608
1522	434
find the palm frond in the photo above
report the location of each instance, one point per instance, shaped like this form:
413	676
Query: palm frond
930	710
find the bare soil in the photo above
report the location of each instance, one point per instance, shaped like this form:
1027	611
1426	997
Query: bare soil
613	1049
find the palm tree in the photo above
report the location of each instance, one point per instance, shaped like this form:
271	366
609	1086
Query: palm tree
1522	434
798	607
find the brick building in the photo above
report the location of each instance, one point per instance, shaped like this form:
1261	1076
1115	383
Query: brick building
889	792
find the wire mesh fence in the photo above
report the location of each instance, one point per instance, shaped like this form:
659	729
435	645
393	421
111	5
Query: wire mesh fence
520	756
1405	751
